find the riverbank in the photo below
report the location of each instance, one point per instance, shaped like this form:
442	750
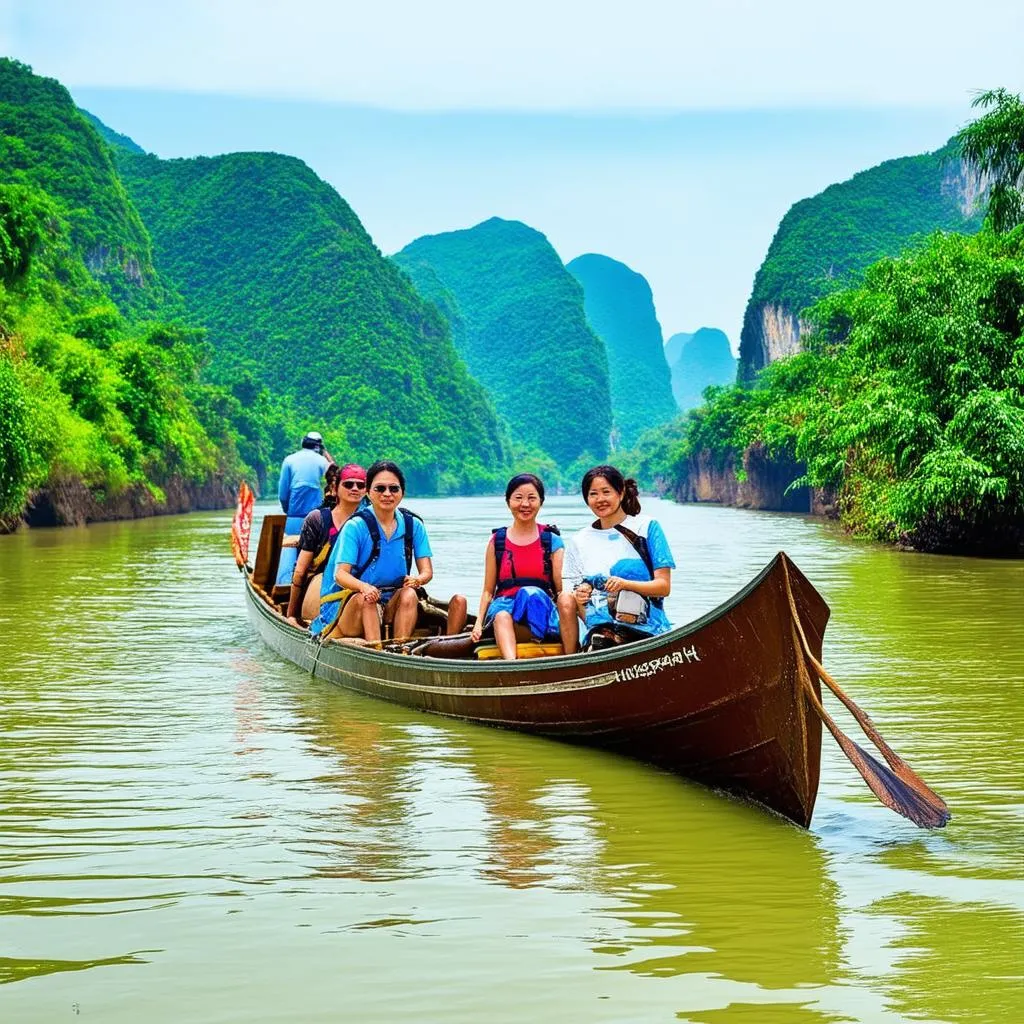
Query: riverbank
71	503
763	483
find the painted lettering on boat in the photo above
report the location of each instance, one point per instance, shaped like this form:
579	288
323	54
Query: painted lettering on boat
655	665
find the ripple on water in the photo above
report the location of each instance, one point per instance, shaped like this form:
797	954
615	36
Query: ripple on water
253	844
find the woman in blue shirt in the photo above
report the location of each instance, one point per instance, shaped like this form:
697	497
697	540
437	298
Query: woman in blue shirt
380	574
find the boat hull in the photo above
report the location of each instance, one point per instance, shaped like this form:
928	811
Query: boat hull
719	700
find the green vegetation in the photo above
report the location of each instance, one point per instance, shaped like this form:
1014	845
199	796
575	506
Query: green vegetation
92	387
908	399
994	146
526	337
825	243
290	318
702	360
295	296
620	308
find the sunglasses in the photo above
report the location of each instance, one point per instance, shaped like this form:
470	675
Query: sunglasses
392	488
354	485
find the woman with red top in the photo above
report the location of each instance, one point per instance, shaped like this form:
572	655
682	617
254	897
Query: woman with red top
523	576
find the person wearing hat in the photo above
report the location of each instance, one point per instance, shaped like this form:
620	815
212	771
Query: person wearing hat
344	494
300	492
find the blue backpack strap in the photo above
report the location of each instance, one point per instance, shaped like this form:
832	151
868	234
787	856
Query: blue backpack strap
499	550
408	517
367	516
548	583
373	528
545	544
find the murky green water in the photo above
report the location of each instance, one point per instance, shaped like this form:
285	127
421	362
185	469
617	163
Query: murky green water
193	830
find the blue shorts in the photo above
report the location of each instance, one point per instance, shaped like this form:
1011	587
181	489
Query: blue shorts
531	606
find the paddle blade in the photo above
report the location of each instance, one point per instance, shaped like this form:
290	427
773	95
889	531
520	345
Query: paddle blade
924	811
899	767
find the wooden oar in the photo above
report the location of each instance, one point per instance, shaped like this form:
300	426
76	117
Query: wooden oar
897	786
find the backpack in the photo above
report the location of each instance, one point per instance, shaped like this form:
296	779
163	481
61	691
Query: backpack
547	583
367	516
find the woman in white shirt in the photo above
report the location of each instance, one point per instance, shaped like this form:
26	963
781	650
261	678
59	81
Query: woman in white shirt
621	553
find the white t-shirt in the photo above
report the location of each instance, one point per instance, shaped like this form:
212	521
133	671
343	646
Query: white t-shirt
594	552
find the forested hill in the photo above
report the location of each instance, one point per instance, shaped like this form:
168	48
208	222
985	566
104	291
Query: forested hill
526	335
824	243
102	410
296	296
702	359
47	144
620	308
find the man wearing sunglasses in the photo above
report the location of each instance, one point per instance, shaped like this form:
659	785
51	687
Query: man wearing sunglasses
344	495
372	566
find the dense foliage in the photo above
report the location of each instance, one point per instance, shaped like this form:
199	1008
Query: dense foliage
47	144
295	296
994	146
93	388
824	243
526	338
620	308
908	399
702	360
86	394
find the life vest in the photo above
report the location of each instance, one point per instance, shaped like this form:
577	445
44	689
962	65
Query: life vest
503	585
642	548
367	516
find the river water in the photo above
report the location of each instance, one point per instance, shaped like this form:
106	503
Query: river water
192	829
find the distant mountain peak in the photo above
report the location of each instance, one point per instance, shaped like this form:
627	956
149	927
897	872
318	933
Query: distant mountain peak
620	309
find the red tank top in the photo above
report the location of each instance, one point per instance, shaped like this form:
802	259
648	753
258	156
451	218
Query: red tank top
521	560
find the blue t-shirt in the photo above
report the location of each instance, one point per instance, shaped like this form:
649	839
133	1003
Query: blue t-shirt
354	547
300	489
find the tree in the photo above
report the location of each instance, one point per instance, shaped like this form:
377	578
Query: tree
994	146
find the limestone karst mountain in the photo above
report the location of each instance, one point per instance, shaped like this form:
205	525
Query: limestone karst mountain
620	308
823	243
294	293
526	334
704	359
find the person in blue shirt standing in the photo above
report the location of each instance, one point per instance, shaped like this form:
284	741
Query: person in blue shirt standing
372	566
300	490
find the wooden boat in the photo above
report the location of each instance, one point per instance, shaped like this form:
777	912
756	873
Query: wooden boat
732	700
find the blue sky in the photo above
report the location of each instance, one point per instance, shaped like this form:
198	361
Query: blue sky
671	136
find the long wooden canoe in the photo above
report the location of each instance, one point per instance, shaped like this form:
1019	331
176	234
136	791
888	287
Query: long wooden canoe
732	700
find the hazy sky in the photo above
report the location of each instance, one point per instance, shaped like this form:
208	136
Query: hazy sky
671	135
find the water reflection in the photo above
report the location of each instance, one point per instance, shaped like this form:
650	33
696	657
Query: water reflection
696	883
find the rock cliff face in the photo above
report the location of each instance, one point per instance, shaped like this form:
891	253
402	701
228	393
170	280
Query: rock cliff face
827	241
763	488
72	503
620	308
770	331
